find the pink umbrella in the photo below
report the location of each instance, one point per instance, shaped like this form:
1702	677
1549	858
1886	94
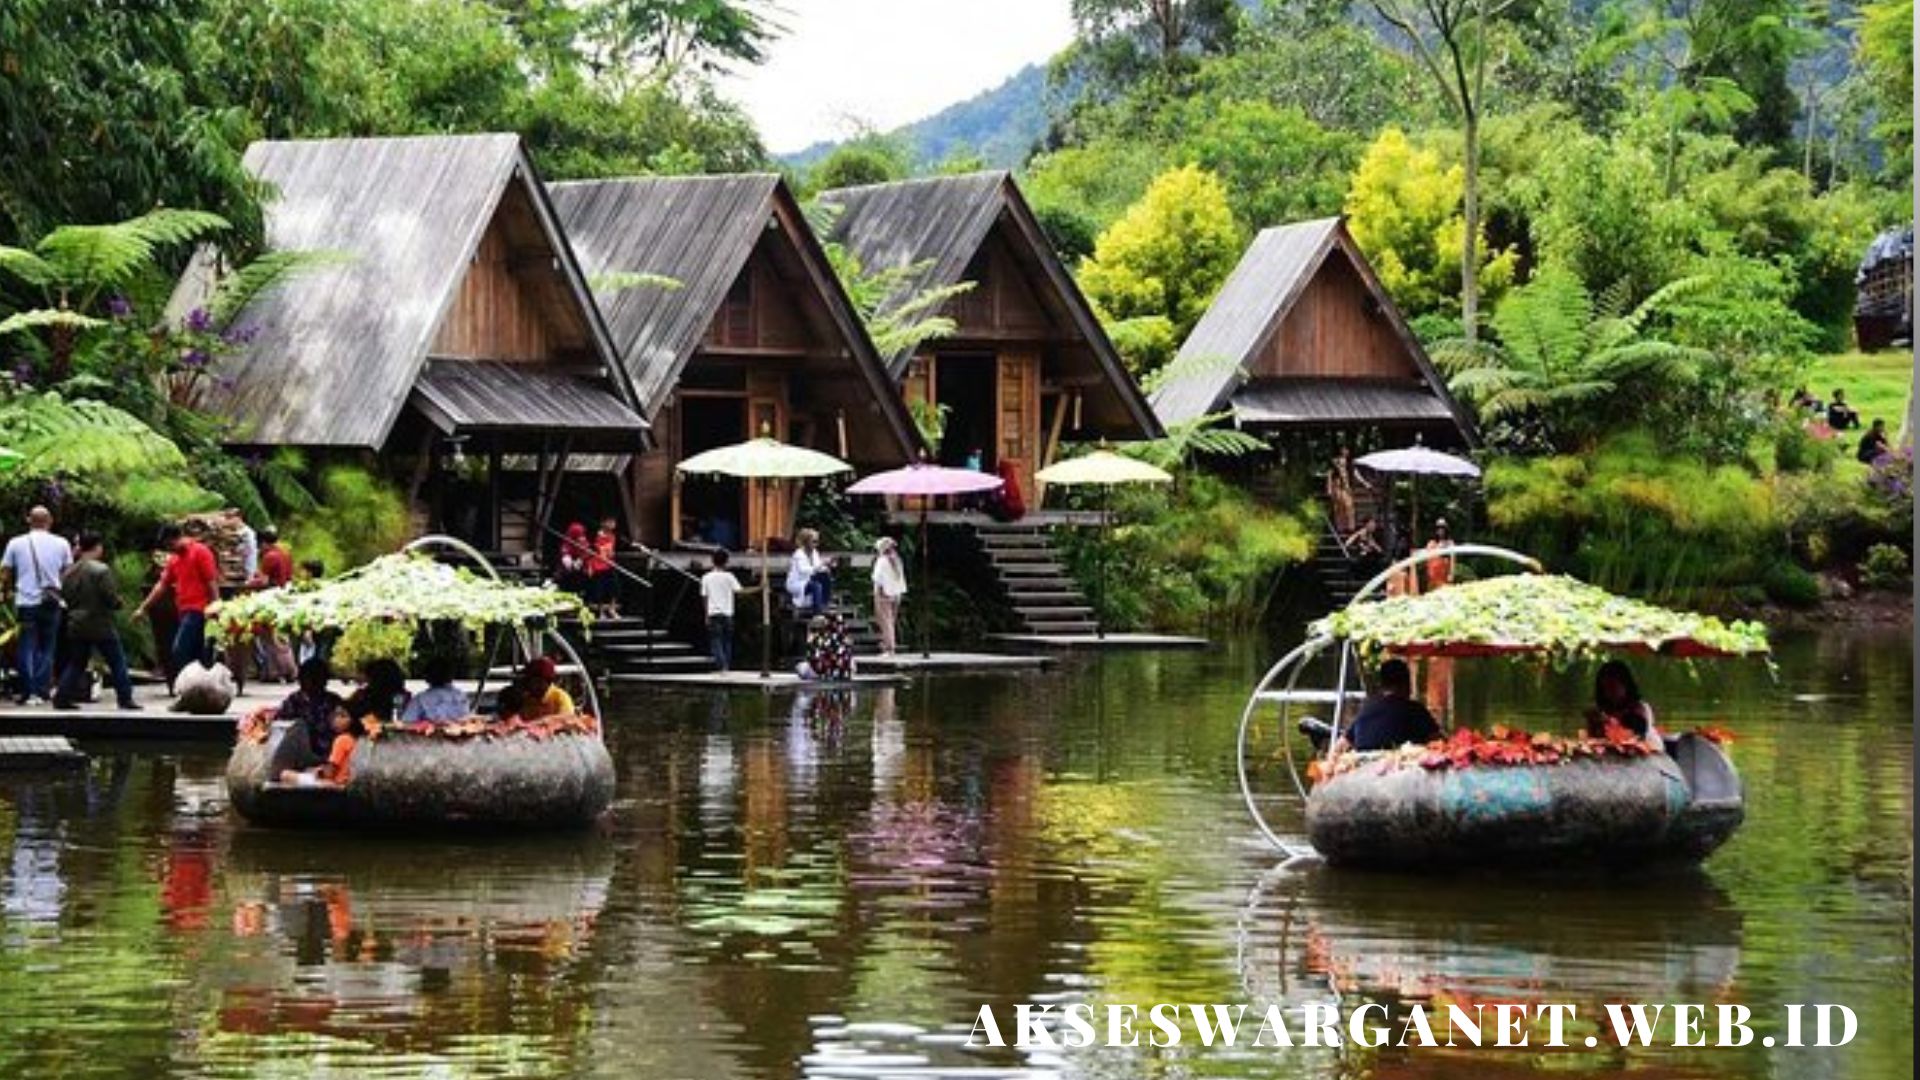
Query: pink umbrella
925	481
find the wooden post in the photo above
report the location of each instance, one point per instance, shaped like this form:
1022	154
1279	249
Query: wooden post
1053	445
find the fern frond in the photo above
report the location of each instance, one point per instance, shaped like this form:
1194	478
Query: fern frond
1179	369
242	287
27	266
622	280
45	317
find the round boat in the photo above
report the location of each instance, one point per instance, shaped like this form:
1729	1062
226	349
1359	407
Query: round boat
1393	813
513	780
1506	798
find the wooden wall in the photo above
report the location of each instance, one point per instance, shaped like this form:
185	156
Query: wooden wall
1002	304
1335	329
761	312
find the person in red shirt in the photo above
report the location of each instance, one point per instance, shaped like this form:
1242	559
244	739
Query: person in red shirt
603	585
272	657
194	577
276	565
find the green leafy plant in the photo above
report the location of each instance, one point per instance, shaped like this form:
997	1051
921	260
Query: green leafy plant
1885	567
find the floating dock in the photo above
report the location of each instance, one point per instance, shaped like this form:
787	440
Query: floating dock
1097	642
33	752
957	663
779	682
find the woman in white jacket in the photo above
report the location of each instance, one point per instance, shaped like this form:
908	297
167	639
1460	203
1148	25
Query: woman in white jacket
889	585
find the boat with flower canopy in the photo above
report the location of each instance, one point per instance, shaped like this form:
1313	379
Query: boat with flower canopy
1502	796
548	773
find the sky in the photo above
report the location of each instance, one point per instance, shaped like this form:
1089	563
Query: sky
888	62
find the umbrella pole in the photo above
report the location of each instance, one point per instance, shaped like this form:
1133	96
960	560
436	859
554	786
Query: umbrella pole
926	589
1106	508
766	590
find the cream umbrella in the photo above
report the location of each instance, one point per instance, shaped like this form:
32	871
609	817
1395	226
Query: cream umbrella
758	461
1104	469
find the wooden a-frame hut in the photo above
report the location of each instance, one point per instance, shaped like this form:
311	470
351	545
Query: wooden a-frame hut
743	329
1302	340
1029	365
449	330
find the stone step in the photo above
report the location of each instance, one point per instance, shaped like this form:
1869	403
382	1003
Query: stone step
1035	616
661	666
621	653
1043	597
1024	555
1064	629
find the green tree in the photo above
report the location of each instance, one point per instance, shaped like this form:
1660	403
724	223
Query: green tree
1885	31
1563	369
1404	207
1277	164
1122	39
868	158
1168	254
1453	41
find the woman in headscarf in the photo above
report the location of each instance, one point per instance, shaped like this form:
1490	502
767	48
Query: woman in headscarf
889	585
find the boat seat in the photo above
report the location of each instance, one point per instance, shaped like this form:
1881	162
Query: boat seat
1709	775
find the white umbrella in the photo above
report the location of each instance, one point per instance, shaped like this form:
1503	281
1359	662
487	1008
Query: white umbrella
760	460
1417	461
1105	469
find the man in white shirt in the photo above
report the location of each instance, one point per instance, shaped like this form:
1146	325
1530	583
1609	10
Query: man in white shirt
34	563
718	587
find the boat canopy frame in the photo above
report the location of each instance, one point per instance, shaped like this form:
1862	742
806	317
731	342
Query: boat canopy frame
1281	684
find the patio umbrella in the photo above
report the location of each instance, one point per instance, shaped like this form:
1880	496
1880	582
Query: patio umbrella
1417	461
757	461
1104	469
926	481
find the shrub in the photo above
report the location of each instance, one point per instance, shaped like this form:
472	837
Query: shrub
364	642
1885	567
359	516
1786	583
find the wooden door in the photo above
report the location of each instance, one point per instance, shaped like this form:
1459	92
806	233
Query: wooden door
1018	406
770	504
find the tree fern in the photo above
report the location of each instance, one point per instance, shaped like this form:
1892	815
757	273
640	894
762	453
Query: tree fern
90	258
622	280
242	287
43	318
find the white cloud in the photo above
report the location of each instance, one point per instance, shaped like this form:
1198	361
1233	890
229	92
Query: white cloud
888	62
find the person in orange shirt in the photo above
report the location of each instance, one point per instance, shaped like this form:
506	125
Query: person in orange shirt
1439	571
337	770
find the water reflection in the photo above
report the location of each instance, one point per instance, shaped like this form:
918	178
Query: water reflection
834	884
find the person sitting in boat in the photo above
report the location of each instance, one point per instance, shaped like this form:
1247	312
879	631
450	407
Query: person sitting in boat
337	769
510	703
441	702
1392	717
312	706
382	694
1617	700
541	691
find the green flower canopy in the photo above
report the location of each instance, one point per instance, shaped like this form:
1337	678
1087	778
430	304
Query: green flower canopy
1534	614
392	588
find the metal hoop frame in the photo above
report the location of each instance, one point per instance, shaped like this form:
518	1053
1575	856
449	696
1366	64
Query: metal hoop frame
1286	673
527	643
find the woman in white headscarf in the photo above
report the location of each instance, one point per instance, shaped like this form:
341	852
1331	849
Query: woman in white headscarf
889	585
809	577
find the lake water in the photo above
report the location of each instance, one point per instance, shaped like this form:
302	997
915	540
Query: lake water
835	888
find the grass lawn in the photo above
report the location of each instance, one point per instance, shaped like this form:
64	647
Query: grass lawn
1877	384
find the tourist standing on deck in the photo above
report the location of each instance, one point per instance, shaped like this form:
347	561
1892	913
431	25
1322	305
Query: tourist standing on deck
92	593
889	585
603	582
718	587
34	561
1340	482
194	578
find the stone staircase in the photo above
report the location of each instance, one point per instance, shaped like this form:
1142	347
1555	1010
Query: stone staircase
1044	597
624	648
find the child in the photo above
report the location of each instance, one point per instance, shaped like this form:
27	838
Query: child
510	704
603	585
337	770
718	587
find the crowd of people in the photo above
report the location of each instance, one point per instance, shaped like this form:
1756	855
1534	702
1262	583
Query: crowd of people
68	600
827	653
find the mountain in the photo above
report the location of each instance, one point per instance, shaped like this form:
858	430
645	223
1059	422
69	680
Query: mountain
1001	126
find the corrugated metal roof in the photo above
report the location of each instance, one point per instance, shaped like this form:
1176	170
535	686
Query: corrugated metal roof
943	221
336	350
1269	277
1335	401
697	230
490	395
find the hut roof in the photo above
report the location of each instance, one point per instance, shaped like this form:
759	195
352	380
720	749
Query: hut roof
699	231
1256	298
1893	245
493	395
943	222
337	350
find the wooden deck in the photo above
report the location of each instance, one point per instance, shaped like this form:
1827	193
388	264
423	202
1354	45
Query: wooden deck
102	720
1096	642
779	682
957	663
